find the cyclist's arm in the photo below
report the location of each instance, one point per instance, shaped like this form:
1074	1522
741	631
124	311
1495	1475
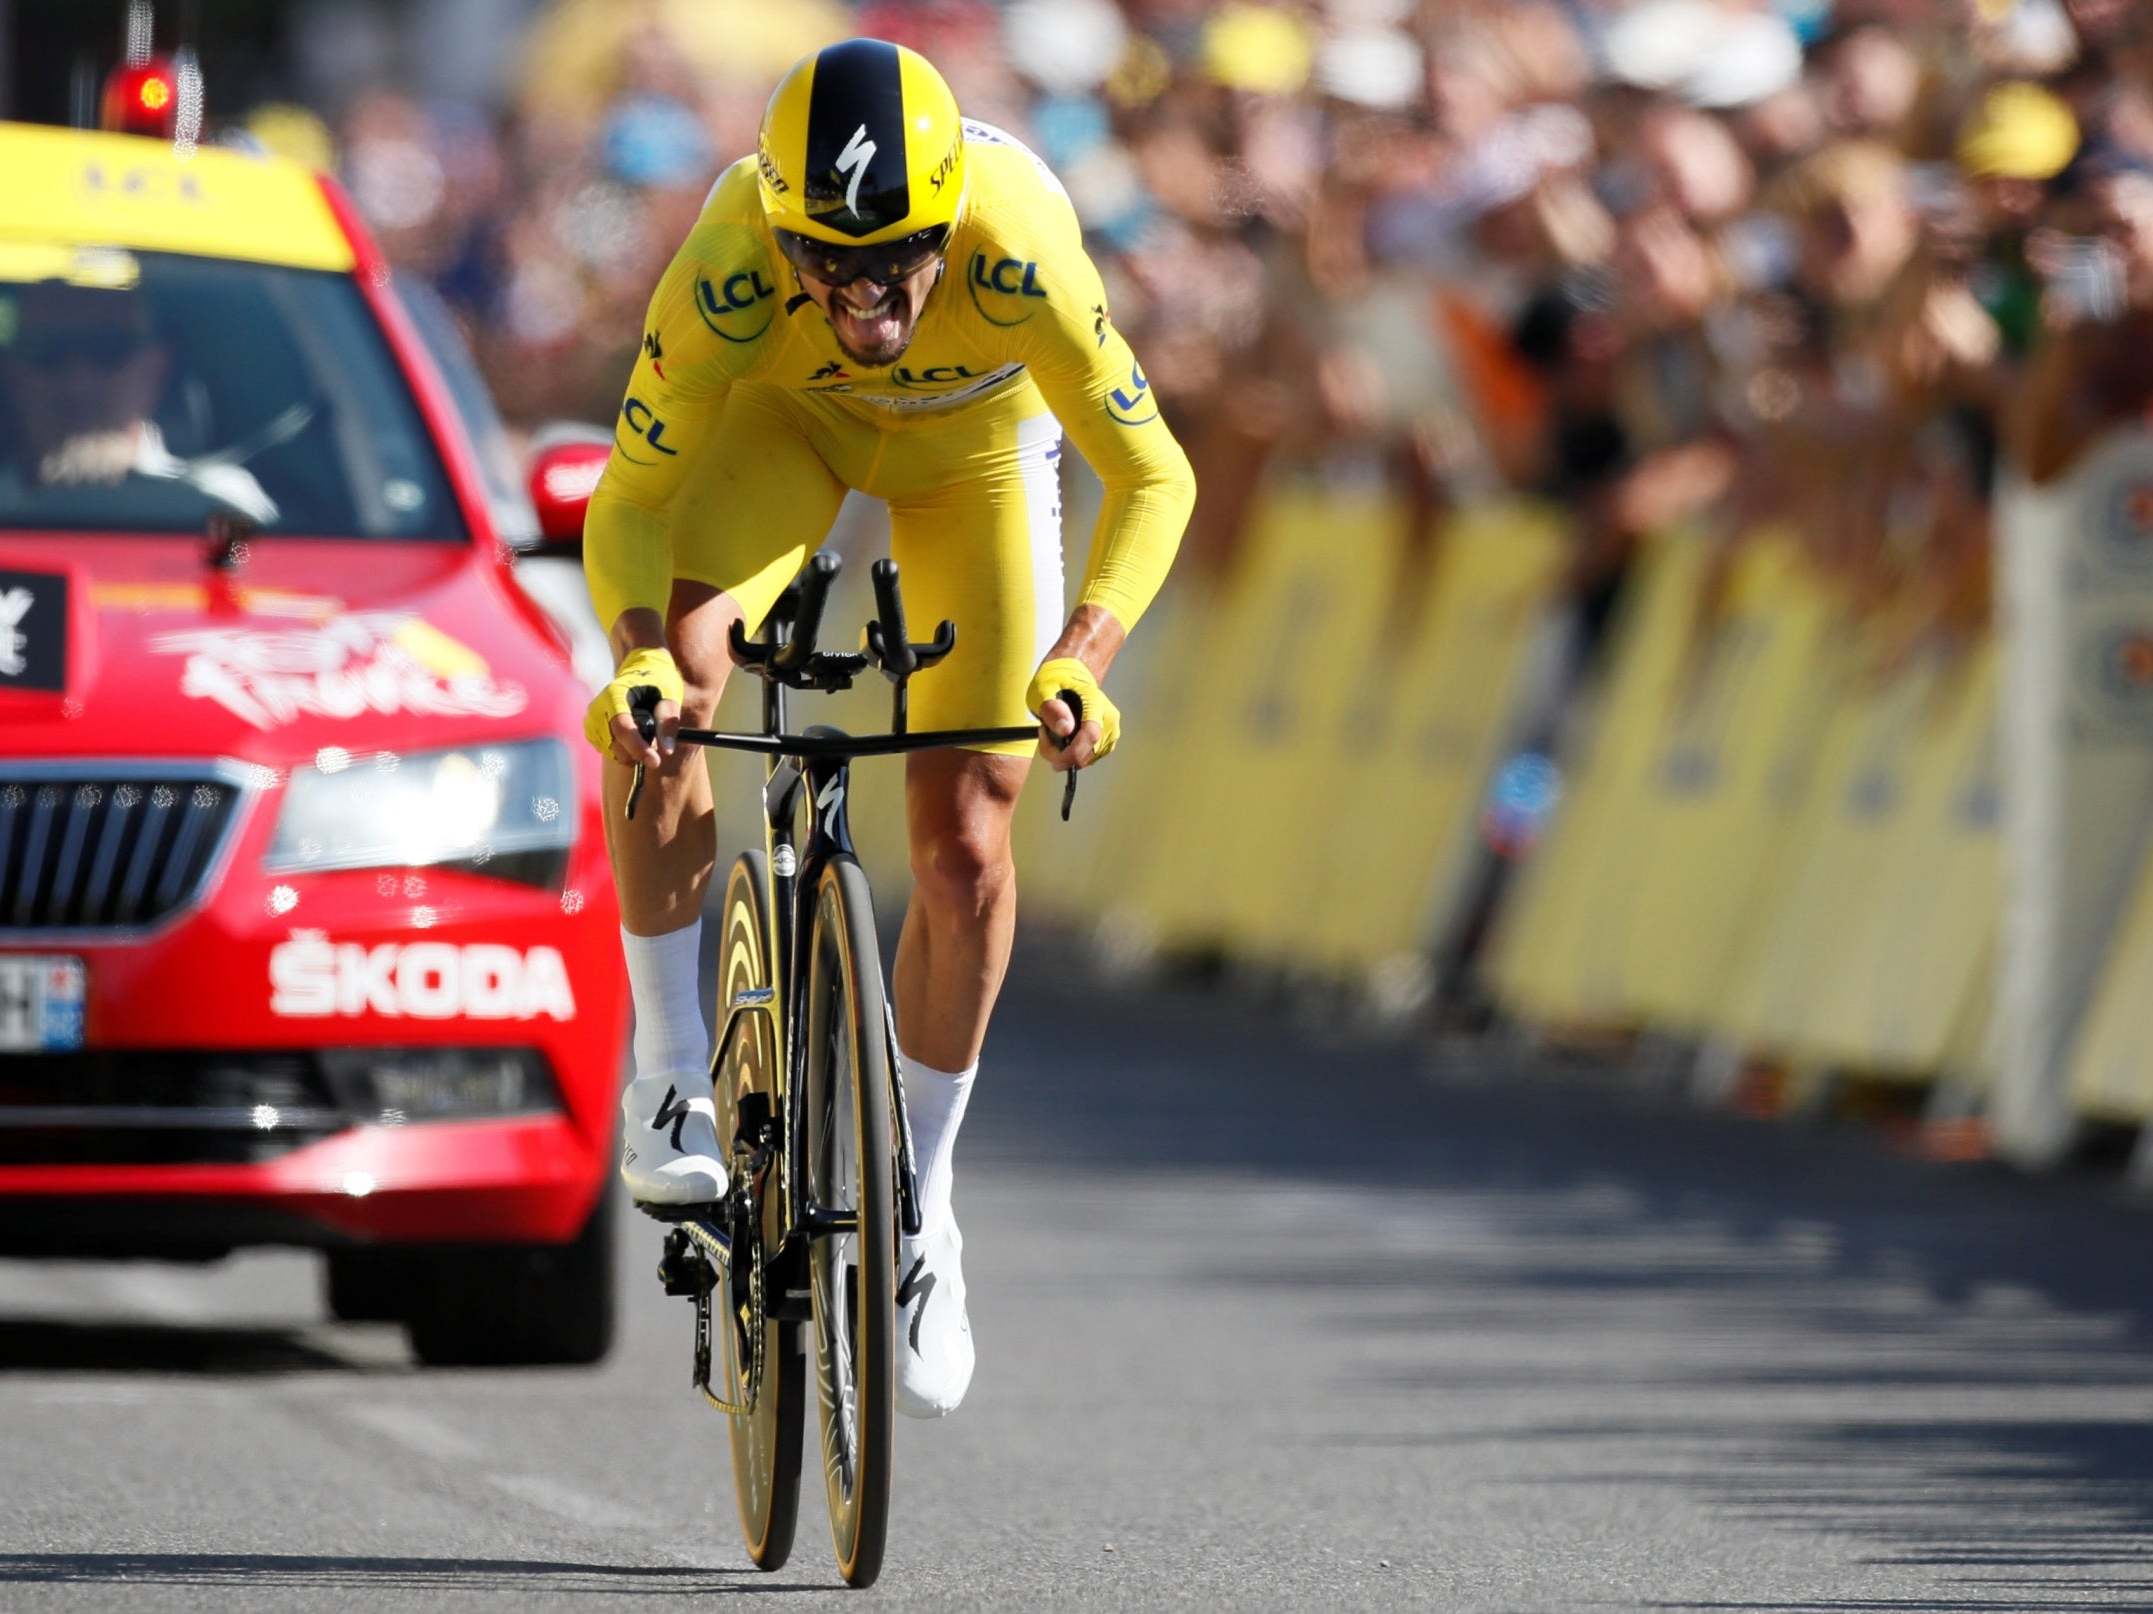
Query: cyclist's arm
1097	391
675	392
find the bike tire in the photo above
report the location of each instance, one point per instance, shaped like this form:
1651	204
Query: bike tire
767	1442
851	1166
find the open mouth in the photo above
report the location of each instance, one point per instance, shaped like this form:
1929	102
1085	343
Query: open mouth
886	303
869	326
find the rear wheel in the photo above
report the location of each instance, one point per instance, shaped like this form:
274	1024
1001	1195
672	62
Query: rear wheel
766	1442
845	1105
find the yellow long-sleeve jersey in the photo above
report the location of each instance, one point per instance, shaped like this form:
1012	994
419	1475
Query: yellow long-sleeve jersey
1018	316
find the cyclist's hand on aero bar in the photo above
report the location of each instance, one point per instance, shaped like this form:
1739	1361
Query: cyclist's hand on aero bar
1102	718
610	725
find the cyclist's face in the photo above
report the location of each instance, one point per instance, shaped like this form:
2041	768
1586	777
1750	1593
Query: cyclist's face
873	320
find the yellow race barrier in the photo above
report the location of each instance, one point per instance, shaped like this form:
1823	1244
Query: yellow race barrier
1349	766
1742	724
2111	1075
1835	853
1899	983
1559	952
1764	840
1393	823
1305	826
1877	937
1258	703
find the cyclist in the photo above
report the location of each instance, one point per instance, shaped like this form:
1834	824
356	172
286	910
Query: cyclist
887	298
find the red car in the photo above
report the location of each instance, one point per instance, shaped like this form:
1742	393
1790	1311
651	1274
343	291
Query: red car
306	929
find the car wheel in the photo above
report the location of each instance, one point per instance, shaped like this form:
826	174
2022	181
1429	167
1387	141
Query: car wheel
520	1304
369	1286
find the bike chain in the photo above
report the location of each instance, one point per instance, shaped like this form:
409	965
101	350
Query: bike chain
744	1211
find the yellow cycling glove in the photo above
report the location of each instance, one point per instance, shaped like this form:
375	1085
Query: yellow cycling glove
1066	672
653	667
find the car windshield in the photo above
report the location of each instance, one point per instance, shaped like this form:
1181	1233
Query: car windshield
151	392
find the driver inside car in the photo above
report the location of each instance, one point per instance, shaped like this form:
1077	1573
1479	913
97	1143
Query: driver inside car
83	369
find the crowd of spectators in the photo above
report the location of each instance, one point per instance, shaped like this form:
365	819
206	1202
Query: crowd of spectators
1835	264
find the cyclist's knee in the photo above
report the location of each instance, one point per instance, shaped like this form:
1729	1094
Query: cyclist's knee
703	681
963	866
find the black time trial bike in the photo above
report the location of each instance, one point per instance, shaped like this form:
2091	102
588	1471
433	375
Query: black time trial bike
810	1097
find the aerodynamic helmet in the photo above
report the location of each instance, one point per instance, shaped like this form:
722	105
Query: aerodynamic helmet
861	147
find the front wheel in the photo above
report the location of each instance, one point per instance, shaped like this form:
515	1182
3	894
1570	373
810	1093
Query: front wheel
766	1442
845	1102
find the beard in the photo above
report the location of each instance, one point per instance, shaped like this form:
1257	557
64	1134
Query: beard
877	337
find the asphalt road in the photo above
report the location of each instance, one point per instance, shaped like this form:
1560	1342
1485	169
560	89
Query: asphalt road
1265	1322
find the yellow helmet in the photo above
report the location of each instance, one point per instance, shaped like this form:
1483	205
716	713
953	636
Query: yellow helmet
861	147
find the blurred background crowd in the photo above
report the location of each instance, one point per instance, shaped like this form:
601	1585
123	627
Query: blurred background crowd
1835	263
1710	260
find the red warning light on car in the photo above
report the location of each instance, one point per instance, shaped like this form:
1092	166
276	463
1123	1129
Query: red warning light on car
143	100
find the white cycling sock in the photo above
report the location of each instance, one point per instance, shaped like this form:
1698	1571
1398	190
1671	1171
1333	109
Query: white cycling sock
934	1102
670	1037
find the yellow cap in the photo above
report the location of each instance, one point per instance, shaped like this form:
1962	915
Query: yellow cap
1260	49
2019	131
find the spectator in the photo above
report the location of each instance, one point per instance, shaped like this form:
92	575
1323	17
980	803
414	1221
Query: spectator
1666	261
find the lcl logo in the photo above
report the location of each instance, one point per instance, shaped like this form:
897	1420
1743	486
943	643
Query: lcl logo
1011	276
644	422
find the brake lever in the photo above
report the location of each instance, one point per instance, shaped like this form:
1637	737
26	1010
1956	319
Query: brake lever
643	707
1075	702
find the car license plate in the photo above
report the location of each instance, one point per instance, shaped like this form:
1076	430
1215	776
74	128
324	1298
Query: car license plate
41	1003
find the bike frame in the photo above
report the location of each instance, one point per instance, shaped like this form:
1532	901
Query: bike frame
813	769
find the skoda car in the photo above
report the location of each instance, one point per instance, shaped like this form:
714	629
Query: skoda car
306	929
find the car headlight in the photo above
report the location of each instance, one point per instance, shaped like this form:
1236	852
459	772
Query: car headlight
505	809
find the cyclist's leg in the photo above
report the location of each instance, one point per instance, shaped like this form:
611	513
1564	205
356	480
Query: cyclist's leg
760	497
984	551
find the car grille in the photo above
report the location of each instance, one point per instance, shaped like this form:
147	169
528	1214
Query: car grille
111	849
161	1107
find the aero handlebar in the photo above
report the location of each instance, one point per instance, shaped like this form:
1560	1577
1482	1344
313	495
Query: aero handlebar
790	658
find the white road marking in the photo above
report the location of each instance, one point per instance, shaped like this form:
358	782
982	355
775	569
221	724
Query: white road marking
566	1502
415	1431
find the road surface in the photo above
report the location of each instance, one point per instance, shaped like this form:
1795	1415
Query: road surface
1265	1322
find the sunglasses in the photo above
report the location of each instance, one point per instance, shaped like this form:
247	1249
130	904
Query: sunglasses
104	348
885	263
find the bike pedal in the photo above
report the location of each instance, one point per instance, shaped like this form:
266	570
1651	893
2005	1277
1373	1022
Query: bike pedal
709	1210
682	1269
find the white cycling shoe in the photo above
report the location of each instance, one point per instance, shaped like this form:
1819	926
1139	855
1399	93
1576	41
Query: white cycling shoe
669	1141
934	1336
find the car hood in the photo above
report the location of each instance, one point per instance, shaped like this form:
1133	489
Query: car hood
139	646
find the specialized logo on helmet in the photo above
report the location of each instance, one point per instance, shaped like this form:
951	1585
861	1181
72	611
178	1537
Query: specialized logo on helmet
853	160
768	164
947	166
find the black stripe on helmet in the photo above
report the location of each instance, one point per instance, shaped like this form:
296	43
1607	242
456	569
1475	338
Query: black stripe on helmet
856	175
